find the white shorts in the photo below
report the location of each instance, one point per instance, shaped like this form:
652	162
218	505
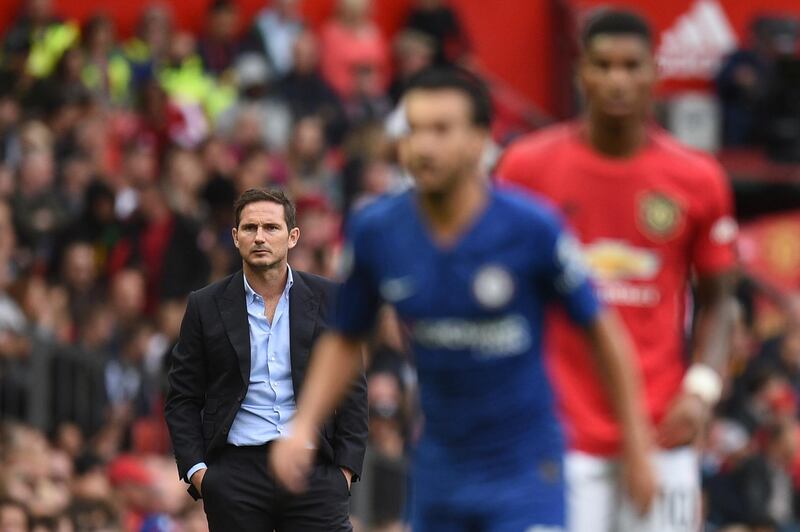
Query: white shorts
596	502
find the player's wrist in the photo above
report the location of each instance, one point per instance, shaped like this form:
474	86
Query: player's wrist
303	429
704	383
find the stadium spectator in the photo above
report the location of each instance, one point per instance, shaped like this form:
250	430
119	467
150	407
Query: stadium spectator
274	32
147	50
307	92
219	45
310	169
261	116
352	46
106	72
442	24
413	52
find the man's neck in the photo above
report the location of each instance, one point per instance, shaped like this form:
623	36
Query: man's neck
268	283
450	213
616	138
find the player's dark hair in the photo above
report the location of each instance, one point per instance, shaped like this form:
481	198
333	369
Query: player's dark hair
616	22
459	79
254	195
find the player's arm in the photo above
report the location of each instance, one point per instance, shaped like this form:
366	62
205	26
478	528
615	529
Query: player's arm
335	363
713	259
614	357
711	344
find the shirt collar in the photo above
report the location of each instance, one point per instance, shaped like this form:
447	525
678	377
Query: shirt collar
252	295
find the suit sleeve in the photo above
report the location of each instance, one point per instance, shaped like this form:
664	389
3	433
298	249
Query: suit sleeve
185	397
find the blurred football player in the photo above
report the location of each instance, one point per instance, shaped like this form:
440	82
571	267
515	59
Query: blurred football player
470	271
651	215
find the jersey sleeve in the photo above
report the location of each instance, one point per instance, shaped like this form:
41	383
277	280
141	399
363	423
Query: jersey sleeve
358	300
713	249
567	274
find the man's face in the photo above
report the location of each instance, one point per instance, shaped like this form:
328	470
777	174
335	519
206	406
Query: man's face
262	238
617	75
443	145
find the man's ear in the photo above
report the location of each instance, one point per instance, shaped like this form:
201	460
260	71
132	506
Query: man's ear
235	237
294	236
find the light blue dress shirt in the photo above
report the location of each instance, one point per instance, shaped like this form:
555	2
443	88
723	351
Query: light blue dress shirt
269	405
279	35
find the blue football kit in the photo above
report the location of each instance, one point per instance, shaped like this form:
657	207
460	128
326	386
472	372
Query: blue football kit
491	452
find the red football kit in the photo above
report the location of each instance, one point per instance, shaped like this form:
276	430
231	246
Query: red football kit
647	223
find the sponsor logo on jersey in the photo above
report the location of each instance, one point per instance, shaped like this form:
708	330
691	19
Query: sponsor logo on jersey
615	264
660	217
693	47
493	287
396	290
629	295
495	338
612	260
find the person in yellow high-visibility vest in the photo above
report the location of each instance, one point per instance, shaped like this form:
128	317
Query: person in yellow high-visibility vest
107	73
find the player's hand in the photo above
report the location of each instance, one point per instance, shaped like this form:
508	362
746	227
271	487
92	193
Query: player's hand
197	480
291	460
639	479
684	421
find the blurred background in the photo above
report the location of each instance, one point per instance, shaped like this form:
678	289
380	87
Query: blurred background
128	129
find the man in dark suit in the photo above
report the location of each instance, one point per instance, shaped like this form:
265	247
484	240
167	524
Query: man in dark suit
236	374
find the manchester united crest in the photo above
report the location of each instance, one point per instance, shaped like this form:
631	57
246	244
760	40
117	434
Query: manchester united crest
660	217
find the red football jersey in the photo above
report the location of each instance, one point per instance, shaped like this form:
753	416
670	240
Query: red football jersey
646	223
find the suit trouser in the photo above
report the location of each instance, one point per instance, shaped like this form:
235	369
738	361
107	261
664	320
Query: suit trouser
240	494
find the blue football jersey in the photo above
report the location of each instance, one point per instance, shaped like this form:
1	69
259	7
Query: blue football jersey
475	313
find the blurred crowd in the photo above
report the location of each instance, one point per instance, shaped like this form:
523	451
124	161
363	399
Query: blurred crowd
758	87
120	159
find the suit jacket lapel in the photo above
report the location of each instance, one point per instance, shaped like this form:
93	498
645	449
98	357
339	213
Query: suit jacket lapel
233	309
303	306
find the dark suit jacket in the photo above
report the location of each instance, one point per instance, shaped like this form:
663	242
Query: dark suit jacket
211	371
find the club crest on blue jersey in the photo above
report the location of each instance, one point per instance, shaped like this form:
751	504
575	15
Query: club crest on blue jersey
493	287
397	289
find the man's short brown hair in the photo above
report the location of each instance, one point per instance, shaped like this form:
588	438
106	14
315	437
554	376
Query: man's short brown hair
272	195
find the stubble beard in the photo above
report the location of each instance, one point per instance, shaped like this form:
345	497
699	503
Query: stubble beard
265	266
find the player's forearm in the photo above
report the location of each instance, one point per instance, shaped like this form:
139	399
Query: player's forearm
615	361
335	363
711	342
